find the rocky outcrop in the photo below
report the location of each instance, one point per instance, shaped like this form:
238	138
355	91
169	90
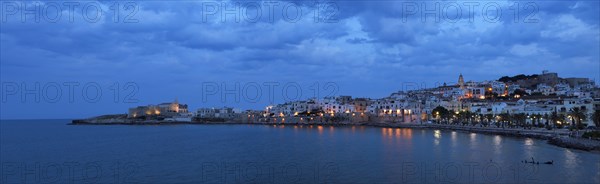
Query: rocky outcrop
104	119
575	143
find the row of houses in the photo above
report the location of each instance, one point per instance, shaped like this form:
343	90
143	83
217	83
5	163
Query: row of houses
180	111
542	94
223	112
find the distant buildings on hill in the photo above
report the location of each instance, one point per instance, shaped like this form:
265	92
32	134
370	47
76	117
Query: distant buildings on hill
537	96
169	109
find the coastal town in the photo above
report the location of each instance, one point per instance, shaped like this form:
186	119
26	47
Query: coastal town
544	102
540	100
300	91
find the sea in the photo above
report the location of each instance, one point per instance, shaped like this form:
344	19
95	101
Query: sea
51	151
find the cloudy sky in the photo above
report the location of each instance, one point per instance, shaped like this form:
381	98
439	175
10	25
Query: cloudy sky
88	58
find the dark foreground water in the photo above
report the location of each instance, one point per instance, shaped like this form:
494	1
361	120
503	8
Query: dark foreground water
45	151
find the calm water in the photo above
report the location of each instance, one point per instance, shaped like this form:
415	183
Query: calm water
43	151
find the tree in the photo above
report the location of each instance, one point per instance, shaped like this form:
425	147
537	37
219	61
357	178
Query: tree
451	115
516	78
536	120
489	118
533	119
577	115
440	113
596	118
470	117
465	117
481	119
505	119
505	79
520	120
557	119
519	92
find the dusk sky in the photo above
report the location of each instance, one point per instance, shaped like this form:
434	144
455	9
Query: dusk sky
170	50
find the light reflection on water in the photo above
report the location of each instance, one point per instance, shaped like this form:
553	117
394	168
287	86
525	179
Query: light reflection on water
320	129
528	141
454	139
397	133
407	133
528	147
437	135
497	144
475	151
473	139
570	159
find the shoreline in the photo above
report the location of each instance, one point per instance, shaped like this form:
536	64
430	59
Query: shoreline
558	138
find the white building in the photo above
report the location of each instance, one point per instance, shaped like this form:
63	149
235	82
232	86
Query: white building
223	112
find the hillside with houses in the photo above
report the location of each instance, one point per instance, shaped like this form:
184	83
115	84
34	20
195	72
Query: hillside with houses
540	100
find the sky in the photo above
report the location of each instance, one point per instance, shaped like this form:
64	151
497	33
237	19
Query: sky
69	59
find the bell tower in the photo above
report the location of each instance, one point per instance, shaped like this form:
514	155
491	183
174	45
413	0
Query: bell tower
461	81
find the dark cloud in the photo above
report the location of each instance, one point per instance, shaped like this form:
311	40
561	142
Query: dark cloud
373	44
